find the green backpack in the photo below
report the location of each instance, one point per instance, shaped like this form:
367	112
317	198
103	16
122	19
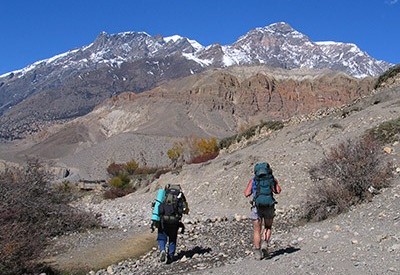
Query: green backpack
263	185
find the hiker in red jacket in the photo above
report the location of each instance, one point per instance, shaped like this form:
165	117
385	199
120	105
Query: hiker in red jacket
262	216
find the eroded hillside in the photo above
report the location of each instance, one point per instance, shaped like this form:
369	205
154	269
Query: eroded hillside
217	103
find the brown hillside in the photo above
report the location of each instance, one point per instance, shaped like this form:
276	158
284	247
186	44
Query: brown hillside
217	103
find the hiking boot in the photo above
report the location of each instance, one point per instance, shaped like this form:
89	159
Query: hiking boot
170	259
264	252
163	256
264	249
258	255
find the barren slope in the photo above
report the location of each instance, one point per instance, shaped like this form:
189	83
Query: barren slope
363	241
216	103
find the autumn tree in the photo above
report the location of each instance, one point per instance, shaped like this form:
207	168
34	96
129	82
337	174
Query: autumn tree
176	153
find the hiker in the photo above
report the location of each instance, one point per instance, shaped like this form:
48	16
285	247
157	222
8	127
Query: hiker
170	211
262	186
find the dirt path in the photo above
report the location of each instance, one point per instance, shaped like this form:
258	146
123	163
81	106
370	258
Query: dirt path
98	249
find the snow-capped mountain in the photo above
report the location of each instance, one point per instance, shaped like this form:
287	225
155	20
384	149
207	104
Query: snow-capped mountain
277	45
72	83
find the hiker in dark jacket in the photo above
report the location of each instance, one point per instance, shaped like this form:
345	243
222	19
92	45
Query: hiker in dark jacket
261	218
170	221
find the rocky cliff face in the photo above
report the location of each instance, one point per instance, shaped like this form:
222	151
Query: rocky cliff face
218	103
260	95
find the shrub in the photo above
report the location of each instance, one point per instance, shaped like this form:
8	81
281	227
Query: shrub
31	212
228	141
327	199
116	182
203	158
128	177
120	181
272	125
175	154
207	146
193	147
131	167
114	169
345	176
68	189
120	186
202	149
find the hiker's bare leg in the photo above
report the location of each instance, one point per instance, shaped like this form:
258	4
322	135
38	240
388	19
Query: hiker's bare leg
268	227
264	234
257	234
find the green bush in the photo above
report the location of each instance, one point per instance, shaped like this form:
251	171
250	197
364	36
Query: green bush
345	177
116	182
120	181
131	167
120	186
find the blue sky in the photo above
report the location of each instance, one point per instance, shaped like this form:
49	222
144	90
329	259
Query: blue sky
32	30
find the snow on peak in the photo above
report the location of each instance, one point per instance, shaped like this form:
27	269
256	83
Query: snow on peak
203	62
327	43
330	44
172	38
278	24
34	65
280	28
195	44
123	34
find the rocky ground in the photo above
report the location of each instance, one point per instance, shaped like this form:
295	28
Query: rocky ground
218	237
365	240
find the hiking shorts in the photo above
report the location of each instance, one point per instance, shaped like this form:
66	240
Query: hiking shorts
267	213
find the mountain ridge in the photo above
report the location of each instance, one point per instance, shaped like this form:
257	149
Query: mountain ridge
151	44
76	81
